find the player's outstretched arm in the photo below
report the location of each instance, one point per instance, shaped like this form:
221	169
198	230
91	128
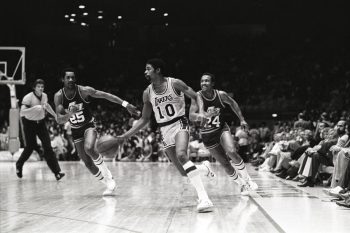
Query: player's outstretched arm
62	115
193	111
196	100
234	106
194	114
49	109
113	98
142	122
26	111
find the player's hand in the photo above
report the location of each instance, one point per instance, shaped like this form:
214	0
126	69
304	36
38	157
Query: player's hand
44	106
202	119
244	125
133	110
73	109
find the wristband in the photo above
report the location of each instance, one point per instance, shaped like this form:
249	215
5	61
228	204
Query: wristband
125	103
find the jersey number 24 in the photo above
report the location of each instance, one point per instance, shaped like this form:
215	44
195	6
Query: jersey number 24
213	121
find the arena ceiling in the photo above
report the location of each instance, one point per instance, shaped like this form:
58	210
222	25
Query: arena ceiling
23	15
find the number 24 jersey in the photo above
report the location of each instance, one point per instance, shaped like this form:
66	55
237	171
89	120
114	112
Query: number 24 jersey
213	109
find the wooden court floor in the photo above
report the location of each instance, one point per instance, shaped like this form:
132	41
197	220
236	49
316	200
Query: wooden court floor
153	198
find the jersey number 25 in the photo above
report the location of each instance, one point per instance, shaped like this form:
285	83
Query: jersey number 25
77	118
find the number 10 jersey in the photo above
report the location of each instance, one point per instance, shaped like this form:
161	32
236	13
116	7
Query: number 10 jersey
83	115
167	105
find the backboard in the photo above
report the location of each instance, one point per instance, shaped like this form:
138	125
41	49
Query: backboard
12	65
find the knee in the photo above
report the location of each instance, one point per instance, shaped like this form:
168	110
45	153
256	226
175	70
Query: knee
182	156
341	156
231	150
89	148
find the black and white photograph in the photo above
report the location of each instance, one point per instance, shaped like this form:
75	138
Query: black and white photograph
164	116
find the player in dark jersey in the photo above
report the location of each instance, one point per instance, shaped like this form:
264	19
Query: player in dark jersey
72	104
216	133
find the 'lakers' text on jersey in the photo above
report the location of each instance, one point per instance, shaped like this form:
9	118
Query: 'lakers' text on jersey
213	108
167	105
83	115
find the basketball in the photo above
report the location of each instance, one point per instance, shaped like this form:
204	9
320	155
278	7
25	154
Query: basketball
107	145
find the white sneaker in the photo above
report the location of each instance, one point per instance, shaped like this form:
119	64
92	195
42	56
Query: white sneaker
253	186
334	192
245	189
111	186
264	169
204	205
211	174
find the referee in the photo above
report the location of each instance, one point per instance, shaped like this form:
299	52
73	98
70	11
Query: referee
33	111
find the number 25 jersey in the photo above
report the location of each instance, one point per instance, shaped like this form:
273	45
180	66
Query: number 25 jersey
83	115
167	105
213	109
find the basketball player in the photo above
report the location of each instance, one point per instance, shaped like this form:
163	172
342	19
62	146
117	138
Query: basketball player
72	104
33	112
165	96
216	133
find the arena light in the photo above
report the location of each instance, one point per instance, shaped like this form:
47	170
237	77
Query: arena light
100	12
85	13
73	15
66	16
166	24
165	14
81	6
100	17
120	17
153	9
274	115
71	19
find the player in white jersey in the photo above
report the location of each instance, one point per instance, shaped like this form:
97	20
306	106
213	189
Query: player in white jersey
165	96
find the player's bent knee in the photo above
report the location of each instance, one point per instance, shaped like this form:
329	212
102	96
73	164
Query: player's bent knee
182	157
89	148
231	150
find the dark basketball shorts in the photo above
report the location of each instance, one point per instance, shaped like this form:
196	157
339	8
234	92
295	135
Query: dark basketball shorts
212	139
78	133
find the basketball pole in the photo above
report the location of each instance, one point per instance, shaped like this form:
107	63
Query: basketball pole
14	117
14	143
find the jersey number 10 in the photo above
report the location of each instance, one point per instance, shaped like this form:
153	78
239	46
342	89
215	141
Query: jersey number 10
169	109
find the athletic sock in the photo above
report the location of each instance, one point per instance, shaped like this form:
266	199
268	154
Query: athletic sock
240	167
102	166
193	175
236	178
202	169
99	176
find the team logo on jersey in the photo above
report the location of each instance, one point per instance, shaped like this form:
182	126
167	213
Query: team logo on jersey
79	106
162	99
212	111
